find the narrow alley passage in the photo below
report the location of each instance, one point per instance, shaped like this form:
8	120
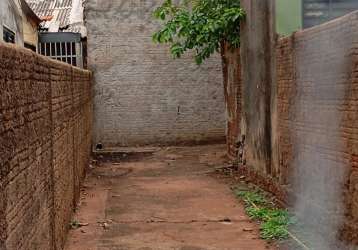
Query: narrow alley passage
161	201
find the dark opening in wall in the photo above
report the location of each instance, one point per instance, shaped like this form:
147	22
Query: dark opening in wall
30	46
99	146
8	35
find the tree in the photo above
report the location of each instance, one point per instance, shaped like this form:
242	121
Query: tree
200	25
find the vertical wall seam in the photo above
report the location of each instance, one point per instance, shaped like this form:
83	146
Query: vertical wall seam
52	172
73	123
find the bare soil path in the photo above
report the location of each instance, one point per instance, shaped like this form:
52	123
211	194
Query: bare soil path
162	201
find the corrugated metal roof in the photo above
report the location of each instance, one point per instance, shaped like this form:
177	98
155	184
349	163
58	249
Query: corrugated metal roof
55	13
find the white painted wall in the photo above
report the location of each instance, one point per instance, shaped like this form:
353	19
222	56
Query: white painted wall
2	7
11	18
142	95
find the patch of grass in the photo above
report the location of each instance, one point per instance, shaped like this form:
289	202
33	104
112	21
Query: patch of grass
252	196
274	221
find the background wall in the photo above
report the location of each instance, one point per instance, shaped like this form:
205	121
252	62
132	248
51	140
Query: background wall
142	95
45	142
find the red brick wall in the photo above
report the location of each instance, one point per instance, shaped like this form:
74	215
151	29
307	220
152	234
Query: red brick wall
317	101
316	109
285	74
45	127
350	134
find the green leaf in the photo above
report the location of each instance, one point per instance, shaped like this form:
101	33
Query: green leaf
162	15
199	25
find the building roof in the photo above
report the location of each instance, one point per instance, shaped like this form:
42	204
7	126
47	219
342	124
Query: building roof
56	15
29	12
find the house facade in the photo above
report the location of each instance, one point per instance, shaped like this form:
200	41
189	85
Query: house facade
19	24
11	24
30	24
62	33
294	15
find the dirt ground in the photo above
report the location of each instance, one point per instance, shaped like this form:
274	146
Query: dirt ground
162	201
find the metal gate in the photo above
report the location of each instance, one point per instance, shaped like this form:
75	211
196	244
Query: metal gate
63	46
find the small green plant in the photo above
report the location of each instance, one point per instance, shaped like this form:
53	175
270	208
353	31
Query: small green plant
274	221
252	197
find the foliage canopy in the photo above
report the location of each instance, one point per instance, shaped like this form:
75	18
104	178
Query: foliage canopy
200	25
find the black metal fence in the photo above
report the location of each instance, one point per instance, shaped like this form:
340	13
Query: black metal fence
63	46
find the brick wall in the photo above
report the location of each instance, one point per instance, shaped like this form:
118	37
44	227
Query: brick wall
142	95
45	135
314	133
317	100
350	133
285	73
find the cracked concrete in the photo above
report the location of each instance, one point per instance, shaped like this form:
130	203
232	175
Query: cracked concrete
166	201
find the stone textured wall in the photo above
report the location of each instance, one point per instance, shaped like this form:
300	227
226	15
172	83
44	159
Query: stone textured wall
45	137
142	95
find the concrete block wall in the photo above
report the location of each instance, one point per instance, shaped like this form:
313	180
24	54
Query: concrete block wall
142	95
45	136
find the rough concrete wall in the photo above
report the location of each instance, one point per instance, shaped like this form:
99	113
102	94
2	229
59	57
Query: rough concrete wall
233	98
142	95
318	119
37	165
285	73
